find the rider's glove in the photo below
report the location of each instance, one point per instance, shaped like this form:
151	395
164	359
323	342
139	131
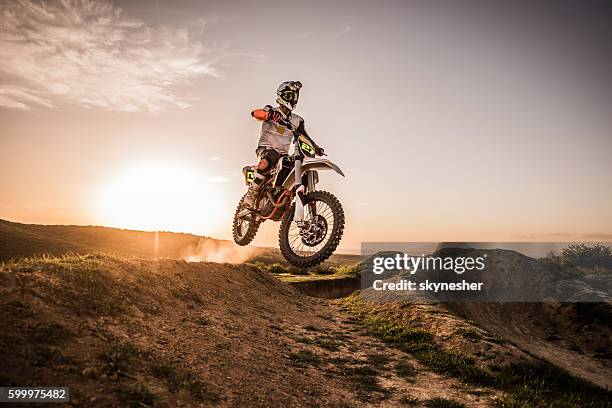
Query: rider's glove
319	151
275	116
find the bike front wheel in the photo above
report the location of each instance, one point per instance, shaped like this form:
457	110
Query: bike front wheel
318	237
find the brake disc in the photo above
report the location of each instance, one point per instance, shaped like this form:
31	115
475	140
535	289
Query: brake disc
316	231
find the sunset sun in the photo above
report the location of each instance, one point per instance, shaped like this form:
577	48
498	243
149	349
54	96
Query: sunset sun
159	197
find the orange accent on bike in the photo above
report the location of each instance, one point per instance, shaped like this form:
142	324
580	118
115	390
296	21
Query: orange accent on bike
286	193
260	114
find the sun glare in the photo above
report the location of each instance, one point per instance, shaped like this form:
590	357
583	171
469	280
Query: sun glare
160	197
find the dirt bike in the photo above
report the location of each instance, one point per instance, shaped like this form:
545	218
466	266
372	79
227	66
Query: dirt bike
312	222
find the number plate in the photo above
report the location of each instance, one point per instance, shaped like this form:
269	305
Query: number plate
249	176
306	148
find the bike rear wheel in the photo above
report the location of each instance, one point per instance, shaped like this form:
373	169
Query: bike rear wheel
320	235
244	228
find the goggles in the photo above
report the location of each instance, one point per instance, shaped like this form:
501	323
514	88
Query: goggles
290	96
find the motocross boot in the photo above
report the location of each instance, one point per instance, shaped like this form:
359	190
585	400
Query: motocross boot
254	187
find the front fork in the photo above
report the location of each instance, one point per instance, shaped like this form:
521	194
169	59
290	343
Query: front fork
300	193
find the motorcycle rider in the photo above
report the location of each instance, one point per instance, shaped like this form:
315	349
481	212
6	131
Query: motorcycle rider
275	138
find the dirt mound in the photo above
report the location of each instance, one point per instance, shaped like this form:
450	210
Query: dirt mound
574	336
129	331
98	322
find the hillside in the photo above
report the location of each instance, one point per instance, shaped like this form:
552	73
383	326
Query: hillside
575	335
18	240
125	331
22	240
122	327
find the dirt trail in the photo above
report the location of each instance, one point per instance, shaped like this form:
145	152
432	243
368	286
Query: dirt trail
133	332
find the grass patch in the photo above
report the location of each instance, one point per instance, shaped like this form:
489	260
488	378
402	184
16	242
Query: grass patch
285	272
43	356
542	384
188	295
340	361
275	268
175	380
405	370
532	384
498	340
456	364
468	333
276	327
378	360
81	283
363	379
409	400
199	391
323	270
302	339
135	395
443	403
17	308
419	342
361	375
324	342
92	285
117	359
304	358
166	372
353	270
49	333
327	343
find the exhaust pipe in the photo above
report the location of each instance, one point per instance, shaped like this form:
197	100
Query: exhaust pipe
282	203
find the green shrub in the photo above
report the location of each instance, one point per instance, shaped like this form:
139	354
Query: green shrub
135	395
584	256
443	403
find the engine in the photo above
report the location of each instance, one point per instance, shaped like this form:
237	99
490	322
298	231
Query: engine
265	206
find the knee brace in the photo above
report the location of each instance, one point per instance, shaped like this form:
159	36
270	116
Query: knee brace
268	159
263	166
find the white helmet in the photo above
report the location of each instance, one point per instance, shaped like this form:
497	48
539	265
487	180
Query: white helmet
288	94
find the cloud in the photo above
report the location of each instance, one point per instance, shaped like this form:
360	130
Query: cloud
217	179
568	236
91	54
599	235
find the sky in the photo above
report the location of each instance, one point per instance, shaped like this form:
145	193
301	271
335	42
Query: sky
452	120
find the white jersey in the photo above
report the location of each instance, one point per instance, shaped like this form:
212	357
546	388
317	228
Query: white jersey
276	136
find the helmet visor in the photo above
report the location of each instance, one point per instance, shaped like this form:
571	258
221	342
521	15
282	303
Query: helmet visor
290	96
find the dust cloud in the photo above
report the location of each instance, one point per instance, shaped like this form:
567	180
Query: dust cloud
210	250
